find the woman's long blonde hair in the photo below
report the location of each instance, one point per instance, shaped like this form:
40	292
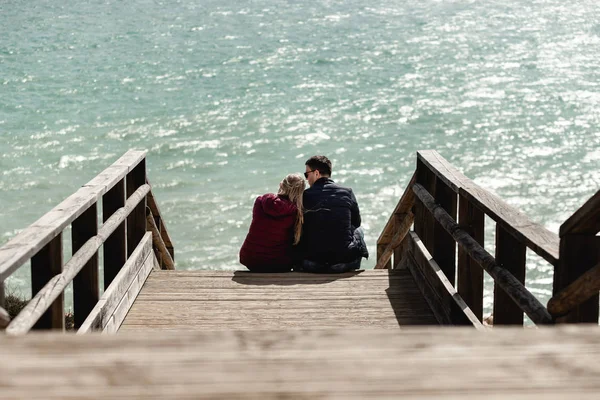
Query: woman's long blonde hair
292	186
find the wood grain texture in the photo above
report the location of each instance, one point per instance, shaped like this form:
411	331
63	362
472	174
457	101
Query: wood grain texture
162	253
586	220
434	363
104	309
55	286
586	286
404	205
511	285
45	265
469	273
510	255
244	300
162	225
30	240
451	308
536	237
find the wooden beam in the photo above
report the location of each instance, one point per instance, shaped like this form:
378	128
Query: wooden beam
444	248
470	274
511	285
104	309
586	286
404	205
536	237
86	290
136	221
162	227
396	240
45	266
454	311
163	254
510	255
578	254
31	240
55	286
4	318
115	247
586	220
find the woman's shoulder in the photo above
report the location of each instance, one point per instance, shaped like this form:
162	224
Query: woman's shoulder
276	205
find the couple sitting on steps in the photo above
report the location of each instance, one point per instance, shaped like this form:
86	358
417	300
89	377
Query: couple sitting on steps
312	230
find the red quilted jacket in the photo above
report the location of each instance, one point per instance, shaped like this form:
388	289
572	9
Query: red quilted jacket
268	245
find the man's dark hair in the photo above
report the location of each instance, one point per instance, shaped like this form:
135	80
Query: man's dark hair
320	163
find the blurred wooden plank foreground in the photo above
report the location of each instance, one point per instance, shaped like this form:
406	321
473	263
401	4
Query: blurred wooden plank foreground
425	363
208	300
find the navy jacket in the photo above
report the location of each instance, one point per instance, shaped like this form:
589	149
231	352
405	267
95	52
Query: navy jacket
331	215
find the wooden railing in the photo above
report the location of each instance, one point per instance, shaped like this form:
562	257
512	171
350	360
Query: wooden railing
128	211
577	274
448	209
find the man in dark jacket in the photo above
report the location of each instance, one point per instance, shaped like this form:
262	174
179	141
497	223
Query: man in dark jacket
332	240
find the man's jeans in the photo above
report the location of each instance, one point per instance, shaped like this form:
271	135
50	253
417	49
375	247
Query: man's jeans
316	267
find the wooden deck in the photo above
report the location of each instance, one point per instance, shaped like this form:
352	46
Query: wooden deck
427	363
206	300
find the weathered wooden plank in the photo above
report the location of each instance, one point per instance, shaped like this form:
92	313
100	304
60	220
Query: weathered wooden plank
136	285
443	170
536	237
162	225
106	306
136	220
45	265
586	220
279	300
444	250
510	255
578	254
162	252
29	241
380	249
404	205
469	273
510	363
86	290
456	310
118	170
424	221
401	232
55	287
586	286
115	246
511	285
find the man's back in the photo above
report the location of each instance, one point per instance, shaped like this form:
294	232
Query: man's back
330	218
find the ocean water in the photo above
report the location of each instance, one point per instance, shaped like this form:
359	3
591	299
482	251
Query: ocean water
229	96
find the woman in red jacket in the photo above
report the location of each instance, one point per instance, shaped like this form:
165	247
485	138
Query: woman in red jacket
276	226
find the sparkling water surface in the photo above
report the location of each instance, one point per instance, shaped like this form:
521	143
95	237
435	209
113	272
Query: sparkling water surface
229	96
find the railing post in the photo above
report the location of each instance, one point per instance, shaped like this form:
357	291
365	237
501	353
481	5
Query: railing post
470	274
380	249
115	247
578	253
510	255
86	290
444	246
47	263
424	221
136	222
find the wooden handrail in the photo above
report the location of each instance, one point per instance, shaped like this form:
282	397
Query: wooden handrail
162	253
536	237
586	220
586	286
515	289
403	229
29	241
55	286
404	205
